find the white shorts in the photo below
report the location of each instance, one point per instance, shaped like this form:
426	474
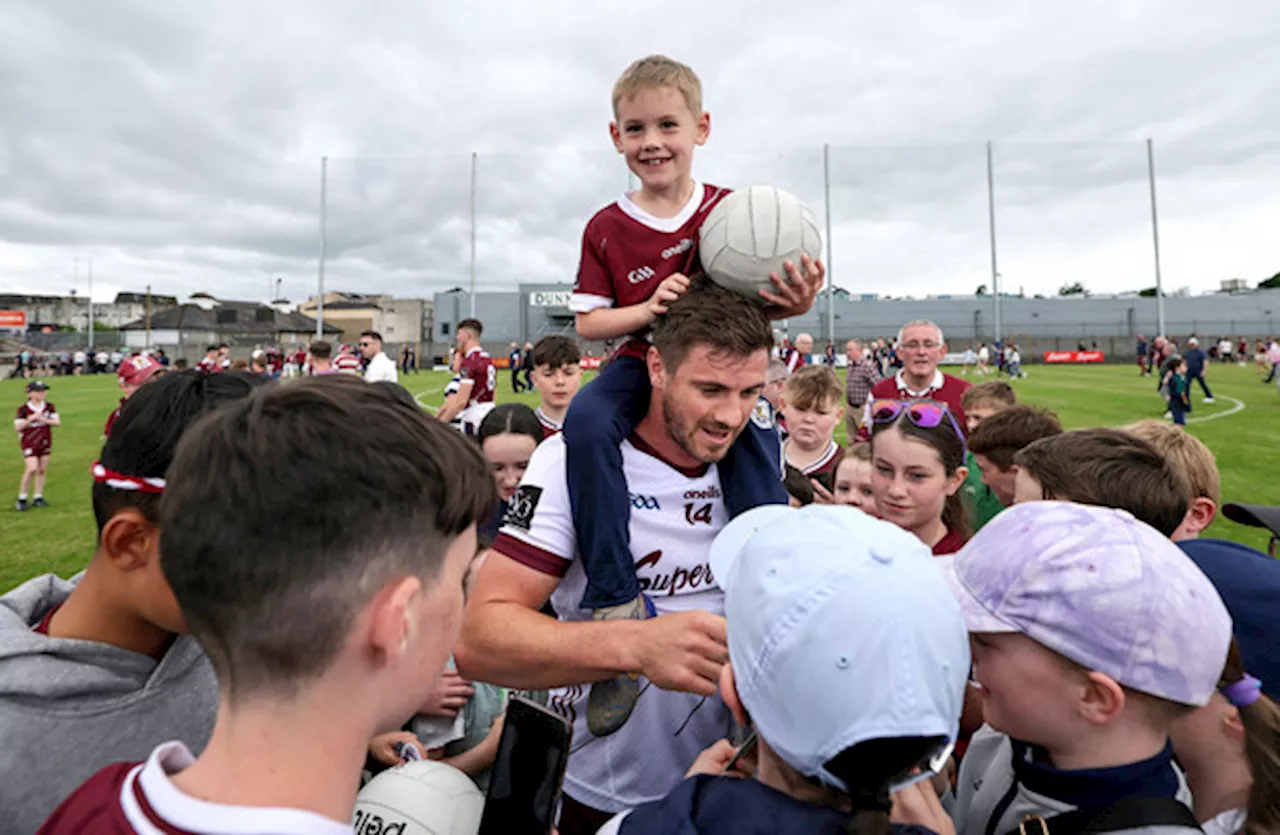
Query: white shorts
470	418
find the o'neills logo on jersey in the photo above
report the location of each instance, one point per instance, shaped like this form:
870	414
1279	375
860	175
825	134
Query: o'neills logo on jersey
680	581
711	492
367	823
672	251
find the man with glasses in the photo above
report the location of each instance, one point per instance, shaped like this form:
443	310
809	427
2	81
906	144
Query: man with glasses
381	368
921	347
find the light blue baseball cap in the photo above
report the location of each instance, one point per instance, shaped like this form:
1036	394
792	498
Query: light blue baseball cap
841	629
1103	589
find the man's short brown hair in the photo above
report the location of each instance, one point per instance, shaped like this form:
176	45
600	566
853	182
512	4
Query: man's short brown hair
707	314
320	349
1109	468
473	325
814	385
999	437
659	71
556	351
996	393
1187	453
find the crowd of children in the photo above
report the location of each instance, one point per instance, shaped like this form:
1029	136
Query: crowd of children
970	621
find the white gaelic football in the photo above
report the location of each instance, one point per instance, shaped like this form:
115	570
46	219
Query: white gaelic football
419	798
749	235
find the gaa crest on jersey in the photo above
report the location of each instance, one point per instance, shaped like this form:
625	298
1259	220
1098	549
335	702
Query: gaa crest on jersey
522	506
762	415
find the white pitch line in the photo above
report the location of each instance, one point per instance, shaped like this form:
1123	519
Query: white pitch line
1236	409
418	397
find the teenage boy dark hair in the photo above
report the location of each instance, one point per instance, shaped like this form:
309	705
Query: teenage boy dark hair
95	670
322	571
1108	468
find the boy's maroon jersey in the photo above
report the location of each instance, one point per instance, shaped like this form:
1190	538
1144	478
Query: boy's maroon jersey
627	253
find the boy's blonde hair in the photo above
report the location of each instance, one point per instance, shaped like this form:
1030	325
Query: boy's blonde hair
659	71
812	386
1186	453
996	394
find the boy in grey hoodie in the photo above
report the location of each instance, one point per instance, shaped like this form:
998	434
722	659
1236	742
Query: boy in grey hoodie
96	669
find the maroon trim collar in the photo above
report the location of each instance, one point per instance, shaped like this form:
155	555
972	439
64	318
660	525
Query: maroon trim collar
648	449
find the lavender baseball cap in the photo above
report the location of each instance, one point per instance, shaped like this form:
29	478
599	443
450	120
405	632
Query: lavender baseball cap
1101	588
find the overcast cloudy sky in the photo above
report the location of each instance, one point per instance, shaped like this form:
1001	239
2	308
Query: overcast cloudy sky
178	143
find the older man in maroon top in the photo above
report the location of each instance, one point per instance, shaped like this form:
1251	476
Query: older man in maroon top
921	347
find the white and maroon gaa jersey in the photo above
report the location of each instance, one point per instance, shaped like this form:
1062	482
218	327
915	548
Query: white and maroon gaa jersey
675	514
627	252
141	799
549	426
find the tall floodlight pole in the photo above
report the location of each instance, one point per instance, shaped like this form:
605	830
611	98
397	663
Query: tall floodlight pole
90	302
324	243
147	346
991	221
471	294
826	194
1155	237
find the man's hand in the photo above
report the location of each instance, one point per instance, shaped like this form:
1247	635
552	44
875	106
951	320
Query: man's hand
684	651
448	695
797	291
383	747
671	288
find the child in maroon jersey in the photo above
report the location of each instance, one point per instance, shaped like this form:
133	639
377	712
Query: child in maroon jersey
557	374
813	405
637	257
34	424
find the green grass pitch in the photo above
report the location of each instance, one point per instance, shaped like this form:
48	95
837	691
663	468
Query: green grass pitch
1241	428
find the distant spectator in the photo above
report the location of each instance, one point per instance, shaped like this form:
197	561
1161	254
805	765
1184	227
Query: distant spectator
320	358
1197	367
380	368
860	377
800	354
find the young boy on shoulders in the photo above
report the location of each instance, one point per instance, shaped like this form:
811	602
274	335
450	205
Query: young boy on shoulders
557	374
638	255
979	403
325	621
1092	634
34	424
813	405
95	669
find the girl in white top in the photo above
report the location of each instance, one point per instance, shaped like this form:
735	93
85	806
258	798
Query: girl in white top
1230	749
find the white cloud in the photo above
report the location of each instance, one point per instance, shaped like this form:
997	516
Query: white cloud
178	145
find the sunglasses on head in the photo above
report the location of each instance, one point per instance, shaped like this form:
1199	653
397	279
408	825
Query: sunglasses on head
927	414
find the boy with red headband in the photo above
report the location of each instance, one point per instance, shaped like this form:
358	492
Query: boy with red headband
96	669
